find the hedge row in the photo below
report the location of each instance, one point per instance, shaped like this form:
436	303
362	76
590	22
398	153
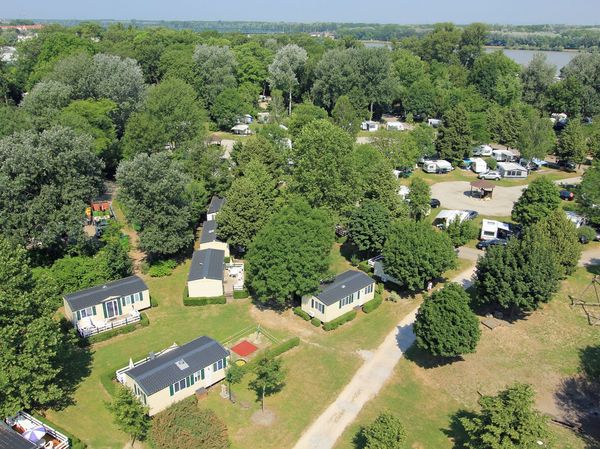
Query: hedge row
349	316
103	336
74	442
364	266
301	313
204	301
373	304
240	294
316	322
275	351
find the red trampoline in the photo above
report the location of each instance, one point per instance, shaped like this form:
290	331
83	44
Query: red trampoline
244	348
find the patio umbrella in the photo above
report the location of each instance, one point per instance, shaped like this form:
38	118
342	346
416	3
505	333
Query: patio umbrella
35	434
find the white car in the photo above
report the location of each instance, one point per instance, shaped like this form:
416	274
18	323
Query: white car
490	175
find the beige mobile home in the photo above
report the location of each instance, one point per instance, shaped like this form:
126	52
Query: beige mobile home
176	373
348	290
205	279
209	240
216	203
107	306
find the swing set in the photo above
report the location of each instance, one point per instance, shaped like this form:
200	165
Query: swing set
590	307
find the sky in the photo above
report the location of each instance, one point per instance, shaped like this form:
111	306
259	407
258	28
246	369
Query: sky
393	11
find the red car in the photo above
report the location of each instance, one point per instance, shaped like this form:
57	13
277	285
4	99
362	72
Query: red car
566	195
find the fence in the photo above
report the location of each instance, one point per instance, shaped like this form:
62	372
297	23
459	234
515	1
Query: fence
26	421
248	330
89	331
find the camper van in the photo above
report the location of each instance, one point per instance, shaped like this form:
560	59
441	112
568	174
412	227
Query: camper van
369	126
437	166
478	165
483	150
504	156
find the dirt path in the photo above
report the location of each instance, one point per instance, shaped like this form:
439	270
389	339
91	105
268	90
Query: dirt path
590	256
366	383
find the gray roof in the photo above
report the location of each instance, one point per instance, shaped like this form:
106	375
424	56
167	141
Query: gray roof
162	371
343	285
216	203
209	232
207	264
96	295
11	439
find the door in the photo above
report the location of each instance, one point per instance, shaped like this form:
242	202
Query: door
112	308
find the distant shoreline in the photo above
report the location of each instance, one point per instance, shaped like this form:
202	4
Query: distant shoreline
491	47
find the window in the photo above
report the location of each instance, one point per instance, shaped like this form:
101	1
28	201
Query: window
182	384
90	311
137	297
317	305
199	375
368	289
347	300
218	365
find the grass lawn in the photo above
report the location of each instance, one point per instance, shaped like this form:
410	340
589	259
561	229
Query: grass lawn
541	350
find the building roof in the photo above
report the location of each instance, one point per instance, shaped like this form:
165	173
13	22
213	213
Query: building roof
216	203
511	166
207	264
96	295
209	232
343	285
10	439
158	373
240	127
493	225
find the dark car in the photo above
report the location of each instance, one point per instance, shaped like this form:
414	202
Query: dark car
566	195
485	244
434	203
472	215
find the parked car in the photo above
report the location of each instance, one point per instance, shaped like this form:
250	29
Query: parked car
434	203
472	215
566	195
490	175
485	244
567	166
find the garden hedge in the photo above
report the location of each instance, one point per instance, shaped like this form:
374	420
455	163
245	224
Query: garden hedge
275	351
372	304
340	320
204	301
103	336
316	322
301	313
240	294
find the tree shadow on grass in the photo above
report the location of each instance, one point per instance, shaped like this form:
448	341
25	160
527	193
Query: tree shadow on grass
359	441
593	267
425	360
455	430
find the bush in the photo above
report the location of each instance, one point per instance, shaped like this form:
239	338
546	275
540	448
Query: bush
301	313
144	321
587	232
108	381
240	294
153	301
204	301
364	266
316	322
283	347
340	320
74	442
162	268
461	232
227	259
491	163
373	304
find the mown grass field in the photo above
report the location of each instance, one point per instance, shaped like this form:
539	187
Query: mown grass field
541	350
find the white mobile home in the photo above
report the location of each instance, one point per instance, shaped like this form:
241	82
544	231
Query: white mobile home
216	203
176	373
511	170
437	166
492	229
504	156
348	290
208	238
478	165
445	217
394	126
369	125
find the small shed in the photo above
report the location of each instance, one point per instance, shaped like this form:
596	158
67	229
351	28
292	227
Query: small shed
484	188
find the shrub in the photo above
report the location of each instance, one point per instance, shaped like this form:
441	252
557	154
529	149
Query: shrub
227	259
162	268
301	313
283	347
240	294
153	301
364	266
74	442
204	301
316	322
491	163
349	316
354	261
461	232
586	232
373	304
144	321
108	381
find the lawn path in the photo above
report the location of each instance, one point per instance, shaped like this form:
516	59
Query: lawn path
366	383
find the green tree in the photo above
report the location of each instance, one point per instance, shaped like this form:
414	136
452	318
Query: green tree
46	180
537	78
461	232
401	149
261	148
415	253
572	143
229	106
153	191
186	425
171	115
419	99
589	193
129	414
13	119
45	102
214	72
335	75
249	205
419	198
386	432
507	420
270	378
496	77
302	115
323	172
346	116
454	140
537	202
566	96
177	61
253	63
441	44
289	255
234	376
445	325
286	69
374	68
536	137
561	231
472	40
369	226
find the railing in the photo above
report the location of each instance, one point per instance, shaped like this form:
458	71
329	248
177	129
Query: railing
23	416
89	331
119	373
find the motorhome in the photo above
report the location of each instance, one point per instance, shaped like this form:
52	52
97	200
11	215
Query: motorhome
437	166
478	165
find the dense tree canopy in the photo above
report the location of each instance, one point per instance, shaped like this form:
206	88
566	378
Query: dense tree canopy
537	202
386	432
369	226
